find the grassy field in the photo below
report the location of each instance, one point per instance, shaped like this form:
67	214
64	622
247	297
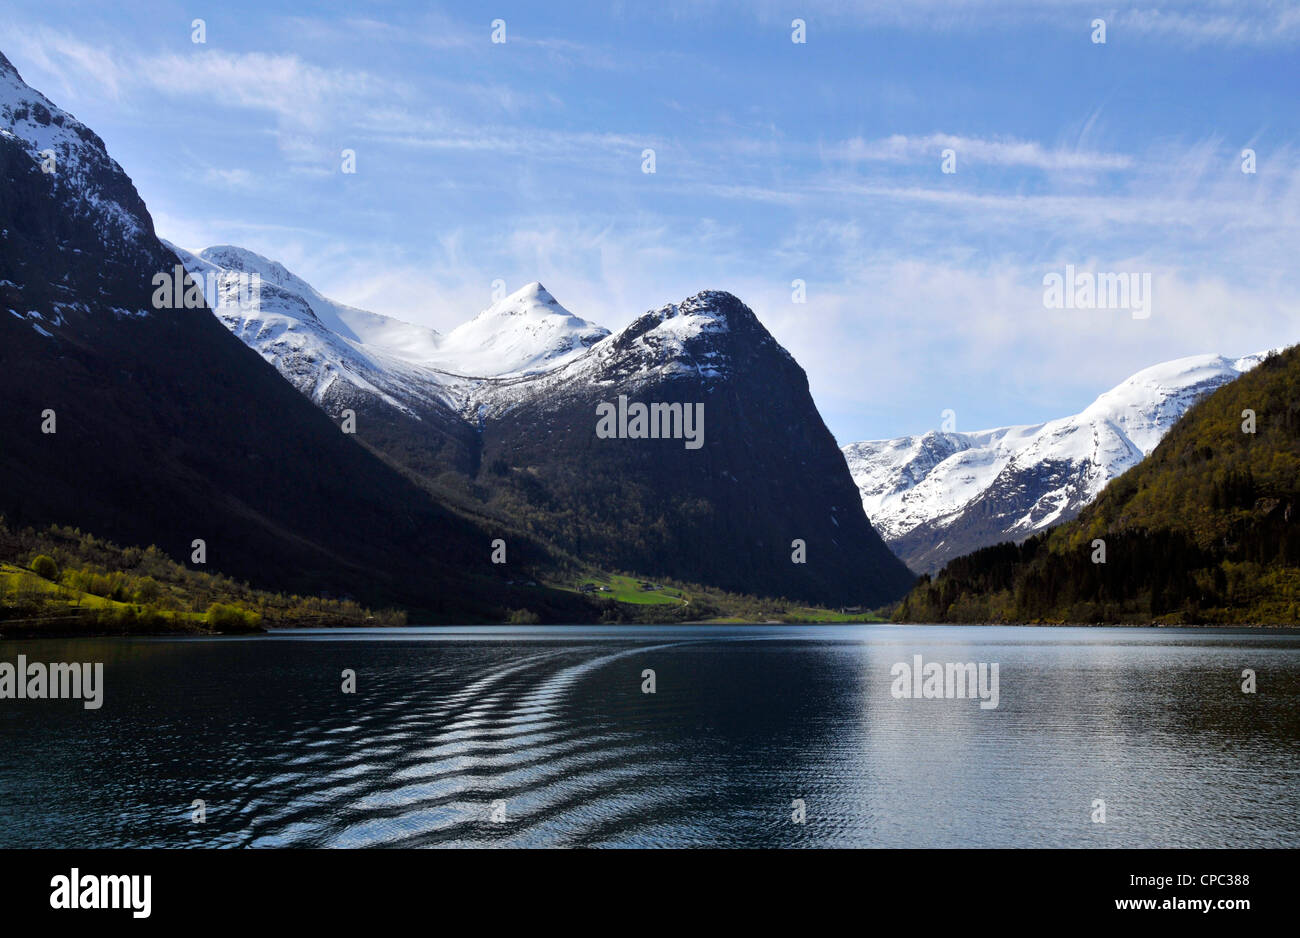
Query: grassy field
814	614
802	615
627	589
714	606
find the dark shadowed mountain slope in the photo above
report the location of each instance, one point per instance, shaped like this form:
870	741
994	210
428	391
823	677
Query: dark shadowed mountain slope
524	379
1205	529
766	471
167	428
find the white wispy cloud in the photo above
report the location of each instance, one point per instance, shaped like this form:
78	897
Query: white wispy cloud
283	84
1009	152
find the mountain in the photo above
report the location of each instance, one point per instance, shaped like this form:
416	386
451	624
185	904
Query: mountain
724	509
164	374
328	341
1206	529
167	429
408	385
343	358
514	394
941	495
527	331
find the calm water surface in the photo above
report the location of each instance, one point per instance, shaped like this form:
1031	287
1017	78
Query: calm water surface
549	725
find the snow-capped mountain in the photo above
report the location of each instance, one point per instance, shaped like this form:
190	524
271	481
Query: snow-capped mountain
765	477
515	391
166	428
679	340
525	332
342	357
524	345
335	354
73	157
940	495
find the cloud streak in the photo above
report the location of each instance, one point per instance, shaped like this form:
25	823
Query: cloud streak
900	148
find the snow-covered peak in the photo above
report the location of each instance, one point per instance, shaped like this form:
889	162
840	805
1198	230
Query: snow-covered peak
1146	405
710	337
318	342
527	331
530	297
697	337
930	480
230	257
295	297
73	157
708	311
682	337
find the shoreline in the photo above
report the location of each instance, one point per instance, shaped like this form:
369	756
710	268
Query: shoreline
37	633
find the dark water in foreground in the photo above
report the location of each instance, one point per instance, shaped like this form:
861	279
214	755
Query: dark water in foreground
551	725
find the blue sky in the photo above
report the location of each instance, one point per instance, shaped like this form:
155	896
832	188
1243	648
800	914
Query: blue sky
775	161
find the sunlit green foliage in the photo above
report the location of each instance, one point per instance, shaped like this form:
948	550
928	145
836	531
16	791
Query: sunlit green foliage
77	582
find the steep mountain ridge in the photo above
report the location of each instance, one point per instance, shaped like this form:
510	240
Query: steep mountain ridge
156	425
86	180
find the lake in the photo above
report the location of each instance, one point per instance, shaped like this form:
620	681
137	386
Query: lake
755	736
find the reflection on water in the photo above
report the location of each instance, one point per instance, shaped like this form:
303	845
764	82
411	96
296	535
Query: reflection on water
548	730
